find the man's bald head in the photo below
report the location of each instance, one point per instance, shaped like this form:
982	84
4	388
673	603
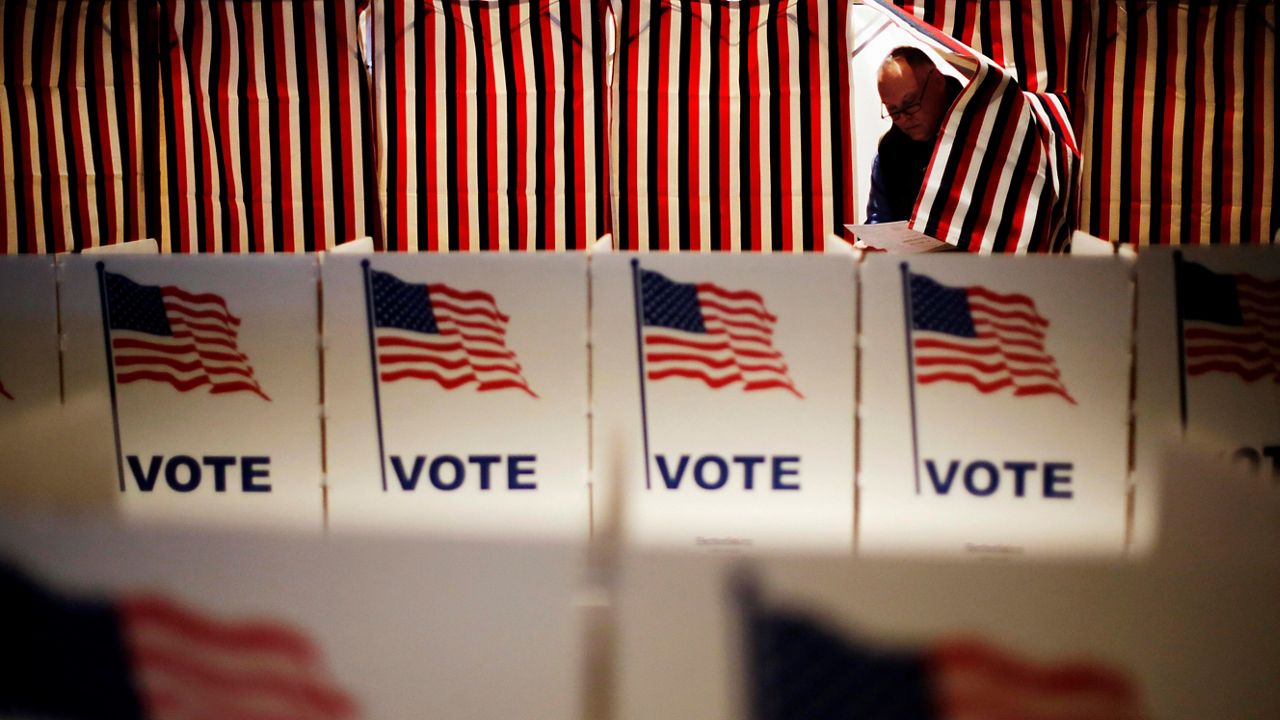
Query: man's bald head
913	92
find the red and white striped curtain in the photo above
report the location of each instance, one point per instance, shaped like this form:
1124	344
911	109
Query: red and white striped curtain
71	125
730	125
1041	43
1187	152
267	139
1005	172
492	119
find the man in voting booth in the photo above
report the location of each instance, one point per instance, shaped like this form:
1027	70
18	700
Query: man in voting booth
915	96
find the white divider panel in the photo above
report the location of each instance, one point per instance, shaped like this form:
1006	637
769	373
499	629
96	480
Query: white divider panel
30	406
390	628
1229	379
213	414
747	399
1006	431
477	423
874	638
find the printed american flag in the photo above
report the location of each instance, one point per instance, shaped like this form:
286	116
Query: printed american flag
706	332
801	669
1231	323
186	664
163	333
438	333
982	338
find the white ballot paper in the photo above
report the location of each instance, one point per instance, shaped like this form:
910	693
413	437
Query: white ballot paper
896	237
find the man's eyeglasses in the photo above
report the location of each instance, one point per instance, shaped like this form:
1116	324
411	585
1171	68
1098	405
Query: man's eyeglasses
910	108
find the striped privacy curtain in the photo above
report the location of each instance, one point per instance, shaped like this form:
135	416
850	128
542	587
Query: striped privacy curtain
1041	43
1187	153
730	125
72	115
492	123
267	146
1005	172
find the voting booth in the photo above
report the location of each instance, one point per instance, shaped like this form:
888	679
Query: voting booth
1206	368
323	374
994	406
722	400
193	385
456	394
30	381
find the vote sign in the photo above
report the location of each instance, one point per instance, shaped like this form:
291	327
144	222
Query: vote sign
456	390
200	381
994	405
723	398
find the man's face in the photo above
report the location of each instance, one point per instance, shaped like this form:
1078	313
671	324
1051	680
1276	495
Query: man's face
915	99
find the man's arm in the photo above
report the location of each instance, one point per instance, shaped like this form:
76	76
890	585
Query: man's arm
878	203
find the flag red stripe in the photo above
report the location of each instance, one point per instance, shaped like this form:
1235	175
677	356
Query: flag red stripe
733	310
146	613
730	294
132	344
301	691
995	349
990	367
1237	335
505	385
447	363
708	360
180	384
406	342
466	311
1246	354
180	365
1000	667
714	382
772	385
465	295
1001	328
448	325
714	323
1248	374
447	383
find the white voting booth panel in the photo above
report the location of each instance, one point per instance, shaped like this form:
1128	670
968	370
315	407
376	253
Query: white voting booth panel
31	445
1188	633
1218	385
995	421
192	385
476	422
739	433
399	627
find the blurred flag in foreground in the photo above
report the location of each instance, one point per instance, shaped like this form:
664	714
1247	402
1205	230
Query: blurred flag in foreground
147	657
799	668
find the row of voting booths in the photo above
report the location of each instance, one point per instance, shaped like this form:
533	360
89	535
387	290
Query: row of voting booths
878	404
674	125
